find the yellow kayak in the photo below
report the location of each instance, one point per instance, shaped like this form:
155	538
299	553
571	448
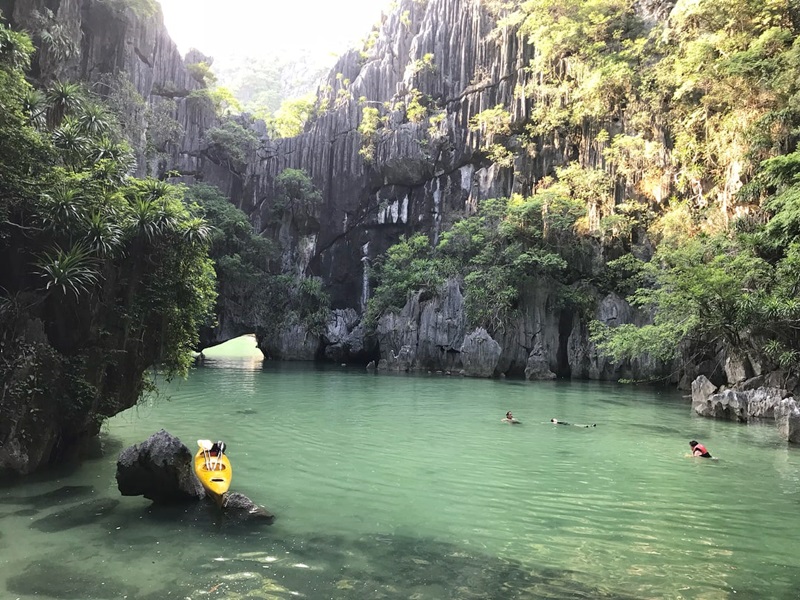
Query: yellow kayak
213	469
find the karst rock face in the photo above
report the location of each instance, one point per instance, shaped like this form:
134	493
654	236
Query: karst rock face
418	180
409	176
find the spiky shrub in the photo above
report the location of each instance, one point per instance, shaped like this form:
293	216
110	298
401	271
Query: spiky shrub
69	271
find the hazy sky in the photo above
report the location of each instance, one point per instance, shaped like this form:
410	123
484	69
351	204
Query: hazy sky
253	27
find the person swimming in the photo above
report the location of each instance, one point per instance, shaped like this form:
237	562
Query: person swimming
557	422
510	419
699	450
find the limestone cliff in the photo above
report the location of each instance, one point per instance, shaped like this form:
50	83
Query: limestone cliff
418	180
418	177
444	59
128	55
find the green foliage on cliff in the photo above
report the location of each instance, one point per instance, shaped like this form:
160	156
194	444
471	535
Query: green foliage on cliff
104	276
704	97
291	117
232	143
246	288
725	77
368	128
736	289
509	245
697	105
407	267
295	192
55	40
309	304
23	153
201	72
416	108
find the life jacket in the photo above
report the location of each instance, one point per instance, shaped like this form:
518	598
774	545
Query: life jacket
701	448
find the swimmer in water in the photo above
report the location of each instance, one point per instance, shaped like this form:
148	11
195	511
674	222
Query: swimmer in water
698	450
557	422
510	419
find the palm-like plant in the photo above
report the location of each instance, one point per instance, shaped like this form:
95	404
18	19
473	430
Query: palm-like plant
55	39
58	43
113	172
34	104
74	145
149	219
62	208
93	120
143	218
103	236
155	188
104	148
72	270
64	98
196	230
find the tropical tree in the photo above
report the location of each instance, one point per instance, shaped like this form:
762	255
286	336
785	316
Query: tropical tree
34	105
64	98
94	120
295	191
24	155
62	208
72	143
104	236
15	50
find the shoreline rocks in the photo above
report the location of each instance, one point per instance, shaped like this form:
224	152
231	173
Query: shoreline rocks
748	403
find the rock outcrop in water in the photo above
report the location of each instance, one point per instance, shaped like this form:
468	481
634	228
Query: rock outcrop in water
162	470
537	342
749	402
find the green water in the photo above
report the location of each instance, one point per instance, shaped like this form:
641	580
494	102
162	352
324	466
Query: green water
411	487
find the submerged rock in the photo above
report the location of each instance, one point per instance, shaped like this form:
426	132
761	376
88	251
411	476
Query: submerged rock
240	506
79	515
54	578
